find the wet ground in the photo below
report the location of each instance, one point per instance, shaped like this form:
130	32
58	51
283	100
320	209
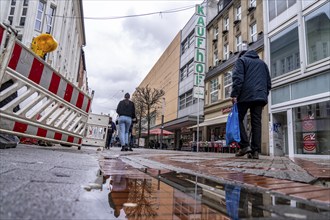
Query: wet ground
126	192
61	183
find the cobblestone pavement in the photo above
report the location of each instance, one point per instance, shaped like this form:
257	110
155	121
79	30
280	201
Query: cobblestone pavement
306	179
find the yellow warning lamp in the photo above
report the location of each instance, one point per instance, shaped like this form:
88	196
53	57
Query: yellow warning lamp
42	44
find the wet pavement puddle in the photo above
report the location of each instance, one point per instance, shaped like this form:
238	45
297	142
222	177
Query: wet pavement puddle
124	192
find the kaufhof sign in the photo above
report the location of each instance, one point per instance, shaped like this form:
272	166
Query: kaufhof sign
200	52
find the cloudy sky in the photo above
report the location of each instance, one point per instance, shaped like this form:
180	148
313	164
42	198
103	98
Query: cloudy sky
121	51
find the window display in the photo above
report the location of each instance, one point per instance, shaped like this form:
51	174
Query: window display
312	130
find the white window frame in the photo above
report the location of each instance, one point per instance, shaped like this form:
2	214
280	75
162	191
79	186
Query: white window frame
50	19
183	73
215	32
42	12
24	13
227	84
238	43
220	5
238	15
226	24
12	11
191	40
186	100
190	68
214	90
215	58
226	51
253	32
253	3
184	46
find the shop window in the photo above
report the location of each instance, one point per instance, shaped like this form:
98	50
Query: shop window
312	131
317	34
282	46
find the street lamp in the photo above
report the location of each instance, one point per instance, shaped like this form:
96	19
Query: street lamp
162	127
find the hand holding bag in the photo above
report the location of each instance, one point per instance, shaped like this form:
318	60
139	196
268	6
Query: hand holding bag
232	126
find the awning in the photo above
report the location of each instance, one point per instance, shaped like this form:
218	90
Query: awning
212	121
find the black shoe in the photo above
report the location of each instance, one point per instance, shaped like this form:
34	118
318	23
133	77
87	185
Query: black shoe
254	155
243	151
123	148
130	149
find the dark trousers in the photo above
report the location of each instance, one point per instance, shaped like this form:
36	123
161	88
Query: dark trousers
108	141
255	113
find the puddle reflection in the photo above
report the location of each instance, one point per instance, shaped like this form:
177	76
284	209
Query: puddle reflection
136	195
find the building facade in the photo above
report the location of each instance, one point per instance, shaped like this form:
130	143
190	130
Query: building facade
238	26
298	45
164	75
193	58
63	20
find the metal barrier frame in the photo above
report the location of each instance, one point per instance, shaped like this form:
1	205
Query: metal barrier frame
55	109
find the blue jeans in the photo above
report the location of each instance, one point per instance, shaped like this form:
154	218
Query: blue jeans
124	123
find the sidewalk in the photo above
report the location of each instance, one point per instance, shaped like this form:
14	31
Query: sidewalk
44	182
302	179
53	182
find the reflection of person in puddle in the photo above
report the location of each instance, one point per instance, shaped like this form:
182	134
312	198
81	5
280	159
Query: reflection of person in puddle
237	202
118	194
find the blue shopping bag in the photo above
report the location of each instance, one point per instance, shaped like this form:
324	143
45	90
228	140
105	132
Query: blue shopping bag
232	126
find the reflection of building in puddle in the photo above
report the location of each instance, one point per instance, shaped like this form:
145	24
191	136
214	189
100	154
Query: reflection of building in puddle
136	195
199	198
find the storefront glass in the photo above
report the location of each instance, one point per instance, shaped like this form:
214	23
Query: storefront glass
312	130
317	33
284	51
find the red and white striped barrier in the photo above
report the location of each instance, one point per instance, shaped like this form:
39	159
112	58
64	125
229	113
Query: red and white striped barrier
38	102
2	33
32	67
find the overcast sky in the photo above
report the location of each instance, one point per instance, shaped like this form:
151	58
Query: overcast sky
120	52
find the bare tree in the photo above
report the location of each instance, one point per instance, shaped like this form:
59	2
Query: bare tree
140	113
150	98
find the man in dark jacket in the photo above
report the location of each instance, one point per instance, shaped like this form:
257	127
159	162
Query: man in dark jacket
250	89
126	112
111	129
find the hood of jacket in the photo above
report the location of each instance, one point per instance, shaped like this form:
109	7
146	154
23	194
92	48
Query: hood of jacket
251	54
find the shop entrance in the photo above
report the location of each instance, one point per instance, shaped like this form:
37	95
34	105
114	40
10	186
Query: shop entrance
280	134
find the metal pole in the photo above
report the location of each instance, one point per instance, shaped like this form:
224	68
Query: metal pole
162	127
197	146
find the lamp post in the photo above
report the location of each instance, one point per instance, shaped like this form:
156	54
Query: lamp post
162	126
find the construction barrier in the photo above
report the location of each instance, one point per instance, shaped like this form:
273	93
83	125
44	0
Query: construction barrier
36	101
97	129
